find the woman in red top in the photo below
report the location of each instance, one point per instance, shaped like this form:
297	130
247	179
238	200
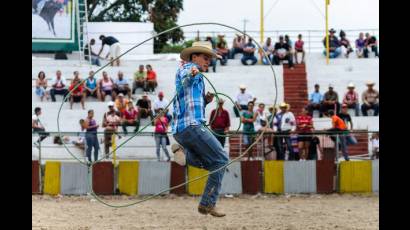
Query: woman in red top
76	95
299	49
161	127
151	78
304	126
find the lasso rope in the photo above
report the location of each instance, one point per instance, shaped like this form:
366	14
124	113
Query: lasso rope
90	166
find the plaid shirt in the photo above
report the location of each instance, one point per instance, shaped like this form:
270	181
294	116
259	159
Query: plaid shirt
189	106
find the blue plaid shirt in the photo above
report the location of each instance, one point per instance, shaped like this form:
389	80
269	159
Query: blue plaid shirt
189	106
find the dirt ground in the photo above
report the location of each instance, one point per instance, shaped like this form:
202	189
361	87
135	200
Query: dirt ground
180	212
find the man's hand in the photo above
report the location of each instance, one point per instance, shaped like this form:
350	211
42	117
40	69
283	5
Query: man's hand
209	97
194	71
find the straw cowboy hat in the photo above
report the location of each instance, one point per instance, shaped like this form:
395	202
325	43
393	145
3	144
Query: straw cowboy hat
283	105
198	47
370	83
350	85
242	86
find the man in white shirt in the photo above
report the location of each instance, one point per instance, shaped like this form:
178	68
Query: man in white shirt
284	123
37	127
59	86
242	100
161	103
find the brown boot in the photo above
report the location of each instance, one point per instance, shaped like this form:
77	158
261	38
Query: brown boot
210	210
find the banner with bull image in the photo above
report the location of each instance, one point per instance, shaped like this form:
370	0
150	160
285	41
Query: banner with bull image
53	21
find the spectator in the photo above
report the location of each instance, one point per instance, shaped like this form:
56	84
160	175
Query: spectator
248	118
315	101
261	115
220	122
106	86
304	128
161	103
284	123
139	79
282	52
144	106
130	118
151	79
242	100
345	116
91	127
77	92
41	86
351	99
269	49
299	49
213	60
237	46
38	127
88	50
271	138
345	43
121	85
371	43
249	53
58	86
91	88
330	100
375	146
121	103
161	137
339	126
80	142
222	49
334	45
360	45
289	42
110	122
370	99
114	45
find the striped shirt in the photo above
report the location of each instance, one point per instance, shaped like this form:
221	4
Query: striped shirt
189	105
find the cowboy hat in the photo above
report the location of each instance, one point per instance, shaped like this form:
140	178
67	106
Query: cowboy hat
332	31
370	83
198	47
242	86
350	85
283	105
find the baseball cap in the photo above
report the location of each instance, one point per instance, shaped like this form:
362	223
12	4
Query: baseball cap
111	103
161	93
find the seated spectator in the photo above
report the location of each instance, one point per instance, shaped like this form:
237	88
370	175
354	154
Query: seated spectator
304	128
106	86
91	88
248	117
237	46
220	122
284	123
330	101
289	42
121	85
161	103
315	101
370	46
299	49
249	53
370	99
334	45
360	45
242	100
41	86
282	52
151	79
222	49
344	42
339	126
38	127
88	50
76	76
139	79
58	86
77	92
268	48
121	103
351	99
144	107
213	60
130	118
375	146
161	138
111	121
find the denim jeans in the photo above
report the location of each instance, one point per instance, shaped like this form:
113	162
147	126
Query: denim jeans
245	59
265	60
281	149
220	138
375	107
343	145
92	141
161	141
351	140
234	51
95	60
203	150
335	53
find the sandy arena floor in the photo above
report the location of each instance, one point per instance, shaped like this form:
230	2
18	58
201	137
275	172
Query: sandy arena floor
244	212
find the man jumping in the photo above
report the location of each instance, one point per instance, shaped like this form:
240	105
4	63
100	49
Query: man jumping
198	146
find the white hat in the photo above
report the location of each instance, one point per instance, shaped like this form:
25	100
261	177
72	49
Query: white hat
350	85
198	47
242	86
120	94
111	103
370	83
283	105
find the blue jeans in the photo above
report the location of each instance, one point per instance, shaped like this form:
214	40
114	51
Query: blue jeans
265	61
92	141
203	150
351	140
335	53
234	51
343	145
161	141
246	58
95	60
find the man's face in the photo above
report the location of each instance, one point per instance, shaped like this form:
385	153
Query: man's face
145	98
282	109
261	107
330	89
243	90
361	35
370	87
344	109
58	74
76	74
130	106
120	75
250	106
331	34
160	97
367	35
141	68
351	89
111	108
91	114
92	42
202	60
281	40
300	37
39	113
91	74
317	88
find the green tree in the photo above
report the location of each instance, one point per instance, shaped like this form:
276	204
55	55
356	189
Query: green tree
162	13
